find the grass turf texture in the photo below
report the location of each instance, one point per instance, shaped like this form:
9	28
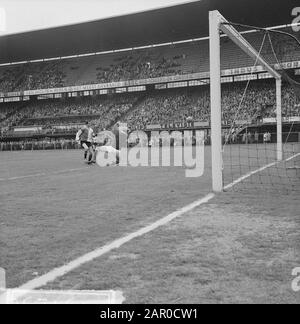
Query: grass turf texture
242	246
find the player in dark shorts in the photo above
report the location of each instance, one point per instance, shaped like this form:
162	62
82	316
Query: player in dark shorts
84	137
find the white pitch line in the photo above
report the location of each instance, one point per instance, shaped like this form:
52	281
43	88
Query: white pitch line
248	175
65	269
292	157
35	175
61	271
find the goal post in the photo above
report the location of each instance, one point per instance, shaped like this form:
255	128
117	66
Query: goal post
215	100
218	24
279	118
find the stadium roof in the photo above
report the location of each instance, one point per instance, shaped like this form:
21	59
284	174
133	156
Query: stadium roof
164	25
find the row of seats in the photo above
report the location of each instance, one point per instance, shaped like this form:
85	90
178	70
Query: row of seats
145	63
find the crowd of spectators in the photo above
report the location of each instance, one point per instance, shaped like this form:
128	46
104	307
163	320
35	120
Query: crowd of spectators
10	115
31	76
7	79
259	101
4	111
158	108
99	111
53	74
45	144
140	64
41	76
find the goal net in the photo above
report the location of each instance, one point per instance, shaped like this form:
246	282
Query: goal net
255	106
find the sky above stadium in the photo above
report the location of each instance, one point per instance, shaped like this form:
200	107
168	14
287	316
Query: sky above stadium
25	15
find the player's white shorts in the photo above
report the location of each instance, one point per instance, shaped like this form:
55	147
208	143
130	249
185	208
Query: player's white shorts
106	155
107	149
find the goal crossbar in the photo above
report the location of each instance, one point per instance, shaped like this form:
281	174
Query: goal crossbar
240	41
218	23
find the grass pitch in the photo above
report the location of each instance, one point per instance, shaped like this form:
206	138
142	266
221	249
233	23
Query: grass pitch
240	247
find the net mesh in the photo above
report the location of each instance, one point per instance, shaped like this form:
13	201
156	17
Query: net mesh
249	112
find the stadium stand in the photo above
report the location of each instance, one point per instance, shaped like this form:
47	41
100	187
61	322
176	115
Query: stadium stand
65	112
168	60
159	107
178	105
139	109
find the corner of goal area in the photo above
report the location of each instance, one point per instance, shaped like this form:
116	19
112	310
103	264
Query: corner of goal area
77	297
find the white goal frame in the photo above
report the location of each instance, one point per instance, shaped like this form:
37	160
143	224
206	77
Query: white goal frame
218	24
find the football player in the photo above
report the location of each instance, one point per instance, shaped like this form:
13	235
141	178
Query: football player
85	137
113	147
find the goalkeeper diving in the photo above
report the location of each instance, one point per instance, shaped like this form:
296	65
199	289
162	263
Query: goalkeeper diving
110	144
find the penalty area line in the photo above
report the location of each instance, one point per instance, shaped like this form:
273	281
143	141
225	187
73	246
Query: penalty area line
75	264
